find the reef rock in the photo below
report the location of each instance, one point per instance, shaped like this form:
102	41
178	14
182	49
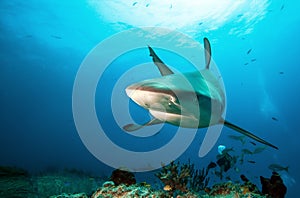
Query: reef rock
119	176
273	187
125	191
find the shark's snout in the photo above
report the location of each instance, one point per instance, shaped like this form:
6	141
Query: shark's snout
146	94
138	94
130	91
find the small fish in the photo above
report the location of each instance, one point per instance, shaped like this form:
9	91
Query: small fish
147	5
282	7
56	37
246	63
259	149
251	161
275	119
248	52
227	150
145	184
134	3
253	60
221	148
241	161
167	188
228	178
281	72
219	174
277	168
234	160
236	169
238	137
240	15
171	6
211	165
247	151
200	23
253	143
242	158
244	178
207	190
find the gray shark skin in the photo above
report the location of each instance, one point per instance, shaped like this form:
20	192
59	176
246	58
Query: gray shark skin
190	100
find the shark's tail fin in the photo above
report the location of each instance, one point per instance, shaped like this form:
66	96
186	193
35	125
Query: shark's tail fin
247	133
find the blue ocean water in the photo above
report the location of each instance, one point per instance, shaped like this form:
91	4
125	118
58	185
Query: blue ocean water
43	43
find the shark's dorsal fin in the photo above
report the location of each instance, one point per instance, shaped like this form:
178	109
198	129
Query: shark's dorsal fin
207	52
163	68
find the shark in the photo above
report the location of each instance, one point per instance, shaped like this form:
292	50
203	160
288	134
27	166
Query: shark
190	100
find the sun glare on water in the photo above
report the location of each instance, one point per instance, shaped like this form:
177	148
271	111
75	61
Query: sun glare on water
187	16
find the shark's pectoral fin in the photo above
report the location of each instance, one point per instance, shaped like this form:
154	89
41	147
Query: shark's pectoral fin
247	133
134	127
207	52
163	68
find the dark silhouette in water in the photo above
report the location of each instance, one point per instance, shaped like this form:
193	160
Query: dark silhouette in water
274	187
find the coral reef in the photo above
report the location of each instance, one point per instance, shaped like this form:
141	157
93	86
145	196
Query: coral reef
248	187
119	176
183	178
273	187
175	177
224	190
199	180
180	181
109	190
230	189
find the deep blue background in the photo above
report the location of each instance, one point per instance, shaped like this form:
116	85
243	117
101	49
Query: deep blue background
43	44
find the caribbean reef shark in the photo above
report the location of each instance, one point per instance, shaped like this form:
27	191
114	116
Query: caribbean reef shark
191	100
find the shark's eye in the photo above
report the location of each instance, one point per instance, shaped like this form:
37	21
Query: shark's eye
171	101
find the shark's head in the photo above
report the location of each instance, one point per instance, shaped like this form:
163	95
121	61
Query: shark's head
153	96
163	102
